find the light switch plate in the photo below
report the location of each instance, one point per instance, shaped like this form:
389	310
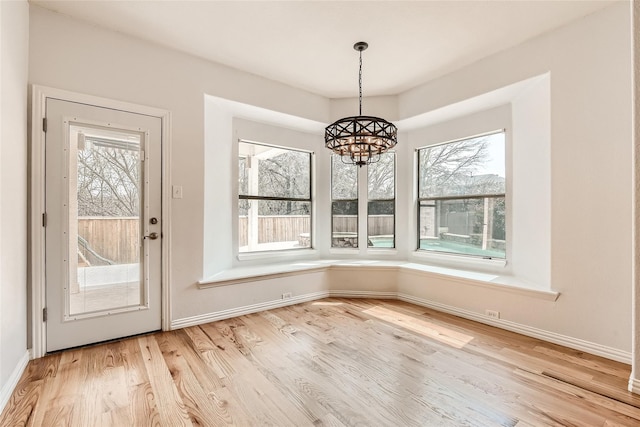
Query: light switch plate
177	191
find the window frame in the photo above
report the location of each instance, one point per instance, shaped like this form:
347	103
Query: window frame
435	199
362	208
309	200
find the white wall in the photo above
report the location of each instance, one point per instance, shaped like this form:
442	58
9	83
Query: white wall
377	106
590	175
587	230
530	158
14	33
68	54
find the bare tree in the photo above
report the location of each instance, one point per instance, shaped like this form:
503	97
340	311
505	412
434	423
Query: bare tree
381	178
448	169
108	182
459	170
286	175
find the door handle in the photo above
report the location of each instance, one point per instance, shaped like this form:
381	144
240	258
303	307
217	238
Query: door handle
152	236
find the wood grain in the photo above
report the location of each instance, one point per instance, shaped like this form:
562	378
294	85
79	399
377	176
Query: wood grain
334	362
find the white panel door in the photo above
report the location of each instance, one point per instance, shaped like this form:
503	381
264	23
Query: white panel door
103	224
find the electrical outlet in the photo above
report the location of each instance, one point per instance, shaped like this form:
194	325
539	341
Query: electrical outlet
492	314
287	295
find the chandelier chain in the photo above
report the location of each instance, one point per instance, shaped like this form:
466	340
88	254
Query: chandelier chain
360	86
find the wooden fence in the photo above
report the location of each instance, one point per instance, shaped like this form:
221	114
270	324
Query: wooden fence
381	225
114	239
345	223
117	239
378	225
287	228
274	228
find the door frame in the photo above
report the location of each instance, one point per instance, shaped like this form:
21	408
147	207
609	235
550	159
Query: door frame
39	95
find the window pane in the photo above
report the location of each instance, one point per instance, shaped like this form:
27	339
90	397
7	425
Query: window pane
469	167
265	225
381	205
381	178
273	172
344	179
104	220
243	176
380	224
344	224
344	205
463	226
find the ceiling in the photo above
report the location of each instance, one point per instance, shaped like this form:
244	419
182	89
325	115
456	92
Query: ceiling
309	44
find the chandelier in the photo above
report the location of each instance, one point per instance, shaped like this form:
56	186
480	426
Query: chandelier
360	138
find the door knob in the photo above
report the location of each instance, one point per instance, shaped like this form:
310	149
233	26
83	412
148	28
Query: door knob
152	236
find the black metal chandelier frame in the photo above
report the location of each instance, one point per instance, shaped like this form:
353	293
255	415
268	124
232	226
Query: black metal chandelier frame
360	139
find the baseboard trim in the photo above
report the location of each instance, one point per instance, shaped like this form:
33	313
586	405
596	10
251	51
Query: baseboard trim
634	385
363	294
564	340
255	308
12	382
247	309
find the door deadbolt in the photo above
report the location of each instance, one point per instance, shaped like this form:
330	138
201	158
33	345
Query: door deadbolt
152	236
153	220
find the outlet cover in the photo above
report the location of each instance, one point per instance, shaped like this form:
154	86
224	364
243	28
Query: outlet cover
492	314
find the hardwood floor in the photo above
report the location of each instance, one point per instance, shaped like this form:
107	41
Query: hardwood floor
334	362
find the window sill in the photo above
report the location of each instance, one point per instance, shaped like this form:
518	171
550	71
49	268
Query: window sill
491	281
272	271
263	272
344	251
365	264
487	280
283	254
381	251
461	260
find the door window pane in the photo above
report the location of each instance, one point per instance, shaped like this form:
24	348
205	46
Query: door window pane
104	220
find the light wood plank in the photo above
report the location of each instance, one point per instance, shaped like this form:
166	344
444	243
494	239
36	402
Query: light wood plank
334	362
170	406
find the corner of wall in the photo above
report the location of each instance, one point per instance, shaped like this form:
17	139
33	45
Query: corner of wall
14	58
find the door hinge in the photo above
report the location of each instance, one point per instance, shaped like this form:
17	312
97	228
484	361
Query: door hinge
44	219
44	124
44	314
